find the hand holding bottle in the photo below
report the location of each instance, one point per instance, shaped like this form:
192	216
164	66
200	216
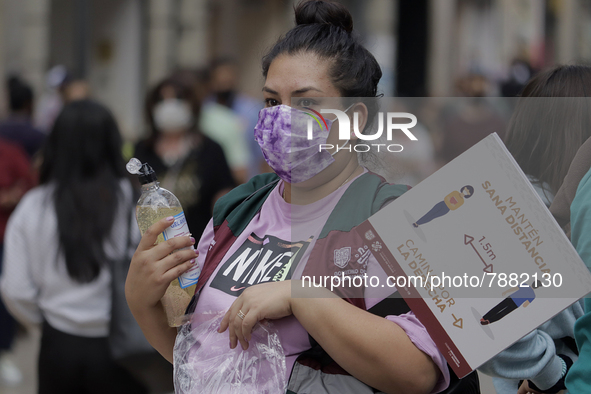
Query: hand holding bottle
153	266
154	204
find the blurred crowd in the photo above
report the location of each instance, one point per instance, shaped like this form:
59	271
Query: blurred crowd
197	140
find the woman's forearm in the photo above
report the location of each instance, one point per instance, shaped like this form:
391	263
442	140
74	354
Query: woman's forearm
371	348
161	336
152	268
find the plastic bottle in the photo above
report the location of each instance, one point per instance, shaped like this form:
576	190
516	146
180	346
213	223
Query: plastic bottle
154	204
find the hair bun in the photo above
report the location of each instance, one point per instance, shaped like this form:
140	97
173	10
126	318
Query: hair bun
323	12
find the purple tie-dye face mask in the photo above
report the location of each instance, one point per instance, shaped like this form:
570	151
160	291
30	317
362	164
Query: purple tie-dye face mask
282	133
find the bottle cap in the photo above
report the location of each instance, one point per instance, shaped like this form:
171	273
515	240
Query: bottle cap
133	166
145	172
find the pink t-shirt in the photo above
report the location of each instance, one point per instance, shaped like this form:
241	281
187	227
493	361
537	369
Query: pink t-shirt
275	246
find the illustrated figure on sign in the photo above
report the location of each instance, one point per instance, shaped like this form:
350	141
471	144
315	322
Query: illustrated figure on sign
519	296
451	202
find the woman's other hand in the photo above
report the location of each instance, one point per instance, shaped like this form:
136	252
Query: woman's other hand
271	300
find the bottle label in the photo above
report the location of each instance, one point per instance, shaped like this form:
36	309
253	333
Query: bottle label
190	277
179	228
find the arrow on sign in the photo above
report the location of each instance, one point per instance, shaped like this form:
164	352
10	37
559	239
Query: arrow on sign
468	240
458	322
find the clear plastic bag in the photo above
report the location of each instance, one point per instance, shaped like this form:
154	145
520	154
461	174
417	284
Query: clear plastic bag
204	362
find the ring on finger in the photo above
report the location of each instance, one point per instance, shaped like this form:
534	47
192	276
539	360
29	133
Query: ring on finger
241	315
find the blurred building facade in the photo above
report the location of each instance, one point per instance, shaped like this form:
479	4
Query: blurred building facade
486	36
122	46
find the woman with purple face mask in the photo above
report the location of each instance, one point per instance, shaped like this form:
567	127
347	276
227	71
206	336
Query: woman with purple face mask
270	233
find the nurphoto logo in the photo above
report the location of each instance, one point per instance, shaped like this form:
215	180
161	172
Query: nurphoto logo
345	126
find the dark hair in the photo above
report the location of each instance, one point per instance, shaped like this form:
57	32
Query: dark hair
183	89
470	189
195	79
551	121
219	62
82	157
20	94
326	29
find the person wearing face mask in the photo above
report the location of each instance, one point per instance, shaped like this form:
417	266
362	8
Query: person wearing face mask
223	83
188	163
269	233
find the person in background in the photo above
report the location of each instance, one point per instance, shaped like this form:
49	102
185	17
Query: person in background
60	89
223	75
16	178
75	89
467	119
19	128
226	127
188	163
572	209
219	123
550	123
59	242
415	162
520	73
51	102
